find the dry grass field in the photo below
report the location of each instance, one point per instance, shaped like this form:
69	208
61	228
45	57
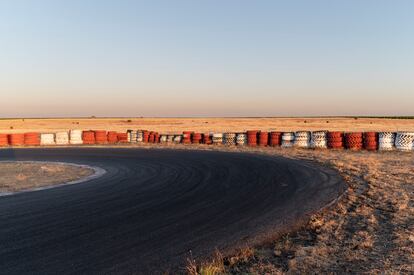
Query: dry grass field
177	125
17	176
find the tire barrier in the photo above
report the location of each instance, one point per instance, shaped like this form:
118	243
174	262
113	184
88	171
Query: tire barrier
252	137
319	139
335	140
101	137
263	139
275	139
75	137
4	140
187	137
241	139
88	137
217	138
229	139
62	138
170	138
207	139
152	137
122	137
132	136
178	138
386	141
302	139
16	139
145	136
112	137
197	138
288	139
353	141
140	136
47	139
32	139
163	138
404	141
370	141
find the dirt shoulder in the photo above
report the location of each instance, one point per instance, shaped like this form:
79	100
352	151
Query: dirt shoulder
19	176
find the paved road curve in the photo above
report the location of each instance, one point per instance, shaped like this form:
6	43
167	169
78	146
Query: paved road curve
151	208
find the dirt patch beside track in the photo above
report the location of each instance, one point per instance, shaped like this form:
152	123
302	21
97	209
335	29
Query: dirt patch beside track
18	176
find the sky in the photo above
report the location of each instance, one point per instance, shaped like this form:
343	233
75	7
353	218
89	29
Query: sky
206	58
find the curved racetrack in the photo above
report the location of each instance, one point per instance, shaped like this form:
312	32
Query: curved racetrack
152	207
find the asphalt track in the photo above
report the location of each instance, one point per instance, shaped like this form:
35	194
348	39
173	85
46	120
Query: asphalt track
152	208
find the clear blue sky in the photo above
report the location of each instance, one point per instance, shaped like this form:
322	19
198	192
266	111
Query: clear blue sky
206	58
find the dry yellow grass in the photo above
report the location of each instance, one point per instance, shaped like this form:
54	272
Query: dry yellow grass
17	176
177	125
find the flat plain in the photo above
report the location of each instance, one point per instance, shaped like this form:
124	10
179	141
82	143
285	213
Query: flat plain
177	125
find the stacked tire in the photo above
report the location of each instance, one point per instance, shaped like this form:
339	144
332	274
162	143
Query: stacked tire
207	138
47	139
197	138
132	136
287	139
88	137
145	136
151	137
335	140
404	141
4	140
32	139
241	139
178	138
112	137
354	140
318	139
75	137
122	137
263	138
170	138
252	137
163	138
370	141
275	138
217	138
101	137
386	141
16	139
302	139
140	136
187	137
62	138
229	139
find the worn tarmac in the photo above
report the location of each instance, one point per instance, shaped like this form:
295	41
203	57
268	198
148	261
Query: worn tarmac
154	208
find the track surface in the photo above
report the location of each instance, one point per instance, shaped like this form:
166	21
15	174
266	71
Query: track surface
152	207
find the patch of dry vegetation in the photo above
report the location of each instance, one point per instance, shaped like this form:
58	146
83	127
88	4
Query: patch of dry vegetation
17	176
178	125
370	229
